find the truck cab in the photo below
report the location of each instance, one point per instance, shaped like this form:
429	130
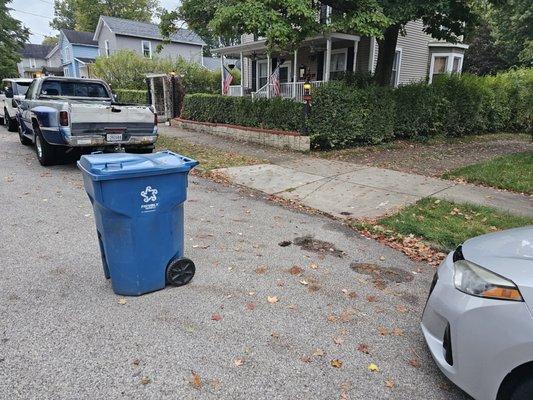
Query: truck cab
60	115
12	90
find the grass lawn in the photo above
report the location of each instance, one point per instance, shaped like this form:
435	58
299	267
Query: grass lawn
445	225
512	172
209	158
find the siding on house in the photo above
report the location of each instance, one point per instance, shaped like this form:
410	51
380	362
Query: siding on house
187	51
106	34
415	53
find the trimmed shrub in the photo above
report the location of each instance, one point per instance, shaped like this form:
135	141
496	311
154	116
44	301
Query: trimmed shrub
278	113
345	116
132	96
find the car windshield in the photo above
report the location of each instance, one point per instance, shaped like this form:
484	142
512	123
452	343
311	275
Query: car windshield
74	89
21	88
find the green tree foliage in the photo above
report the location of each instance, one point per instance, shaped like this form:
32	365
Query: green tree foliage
286	23
13	35
50	40
127	70
83	15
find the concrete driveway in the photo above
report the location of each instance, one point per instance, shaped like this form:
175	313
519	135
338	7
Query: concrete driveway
259	321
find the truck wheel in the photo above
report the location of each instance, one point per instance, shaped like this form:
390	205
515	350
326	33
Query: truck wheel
180	271
23	139
46	153
10	124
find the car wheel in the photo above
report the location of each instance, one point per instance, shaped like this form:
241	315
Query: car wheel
10	124
46	153
26	141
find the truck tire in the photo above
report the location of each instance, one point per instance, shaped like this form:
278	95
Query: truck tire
10	124
23	139
47	154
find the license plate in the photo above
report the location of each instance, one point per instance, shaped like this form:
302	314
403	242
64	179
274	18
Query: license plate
114	137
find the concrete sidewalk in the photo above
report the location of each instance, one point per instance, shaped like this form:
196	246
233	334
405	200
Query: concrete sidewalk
346	189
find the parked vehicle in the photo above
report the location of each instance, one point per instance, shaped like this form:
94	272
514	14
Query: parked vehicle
12	91
478	320
64	115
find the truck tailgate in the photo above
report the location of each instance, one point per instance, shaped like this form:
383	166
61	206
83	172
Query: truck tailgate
99	118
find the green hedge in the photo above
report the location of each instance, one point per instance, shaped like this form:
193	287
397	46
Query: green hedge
344	116
275	113
132	96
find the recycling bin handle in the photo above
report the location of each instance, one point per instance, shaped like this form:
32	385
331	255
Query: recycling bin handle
115	165
187	161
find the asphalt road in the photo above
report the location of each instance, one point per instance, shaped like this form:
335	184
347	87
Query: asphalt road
64	334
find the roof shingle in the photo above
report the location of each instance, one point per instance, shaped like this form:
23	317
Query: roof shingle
148	30
76	37
31	50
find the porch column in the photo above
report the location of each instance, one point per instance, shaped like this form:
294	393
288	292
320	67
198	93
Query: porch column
355	49
222	74
371	55
242	75
269	72
294	73
328	60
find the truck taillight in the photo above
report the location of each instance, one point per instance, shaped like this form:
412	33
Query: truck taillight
63	118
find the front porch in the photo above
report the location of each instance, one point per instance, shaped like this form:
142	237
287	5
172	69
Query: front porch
319	59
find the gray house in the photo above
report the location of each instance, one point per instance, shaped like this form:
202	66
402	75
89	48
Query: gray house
418	57
33	59
114	34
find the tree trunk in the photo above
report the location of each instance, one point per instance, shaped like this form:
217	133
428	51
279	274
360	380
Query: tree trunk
387	51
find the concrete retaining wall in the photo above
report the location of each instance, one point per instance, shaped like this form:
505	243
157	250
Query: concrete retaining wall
267	137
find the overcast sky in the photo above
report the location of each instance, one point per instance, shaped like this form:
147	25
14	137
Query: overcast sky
37	15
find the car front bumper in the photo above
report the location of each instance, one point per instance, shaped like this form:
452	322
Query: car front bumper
475	342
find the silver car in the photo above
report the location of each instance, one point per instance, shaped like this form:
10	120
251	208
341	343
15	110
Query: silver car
478	320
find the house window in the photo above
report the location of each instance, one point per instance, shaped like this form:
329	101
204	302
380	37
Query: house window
106	46
68	57
147	49
262	73
66	71
395	76
448	63
338	60
457	64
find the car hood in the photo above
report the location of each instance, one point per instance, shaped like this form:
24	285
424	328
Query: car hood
508	253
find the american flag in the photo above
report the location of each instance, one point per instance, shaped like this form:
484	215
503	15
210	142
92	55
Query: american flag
228	78
274	80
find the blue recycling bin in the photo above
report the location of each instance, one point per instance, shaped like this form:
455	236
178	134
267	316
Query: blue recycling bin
138	207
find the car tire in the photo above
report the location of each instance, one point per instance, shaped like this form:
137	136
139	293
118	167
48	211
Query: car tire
47	154
10	124
523	390
26	141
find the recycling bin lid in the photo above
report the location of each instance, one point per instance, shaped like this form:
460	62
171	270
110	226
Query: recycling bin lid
102	166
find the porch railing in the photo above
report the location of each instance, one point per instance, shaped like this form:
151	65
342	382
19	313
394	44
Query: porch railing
288	90
235	91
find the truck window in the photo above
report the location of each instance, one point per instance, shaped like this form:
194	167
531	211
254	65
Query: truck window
74	89
20	88
30	90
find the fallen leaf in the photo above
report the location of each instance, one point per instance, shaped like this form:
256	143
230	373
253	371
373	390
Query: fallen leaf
239	362
389	383
272	299
401	309
196	381
295	270
136	362
338	340
397	332
373	367
383	331
216	317
275	335
371	299
285	243
313	266
145	380
414	362
336	363
319	353
260	270
332	318
382	258
304	282
250	306
363	348
305	359
352	295
122	301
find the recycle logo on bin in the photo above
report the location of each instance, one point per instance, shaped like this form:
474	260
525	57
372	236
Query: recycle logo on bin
149	194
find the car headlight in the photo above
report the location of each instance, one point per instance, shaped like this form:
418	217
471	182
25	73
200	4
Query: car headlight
474	280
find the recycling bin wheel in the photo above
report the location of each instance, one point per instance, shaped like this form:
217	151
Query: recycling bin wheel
180	271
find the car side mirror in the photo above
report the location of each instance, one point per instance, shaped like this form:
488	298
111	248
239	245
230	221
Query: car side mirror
9	93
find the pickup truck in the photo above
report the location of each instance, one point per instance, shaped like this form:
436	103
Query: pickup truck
11	92
65	116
